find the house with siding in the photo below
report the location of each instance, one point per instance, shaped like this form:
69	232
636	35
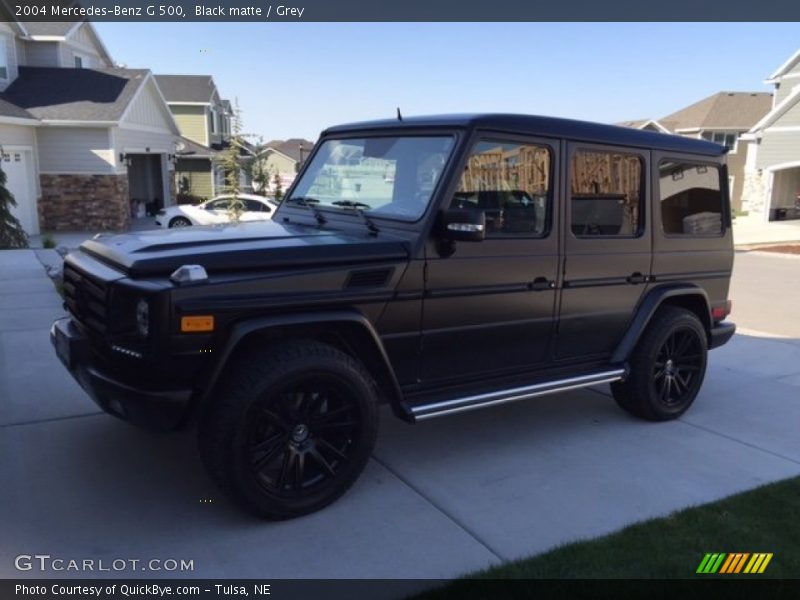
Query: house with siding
84	144
204	119
723	118
772	169
284	159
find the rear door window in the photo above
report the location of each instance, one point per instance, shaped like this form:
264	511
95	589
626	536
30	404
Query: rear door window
606	193
691	198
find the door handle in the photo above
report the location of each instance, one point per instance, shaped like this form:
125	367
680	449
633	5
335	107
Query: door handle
637	277
541	284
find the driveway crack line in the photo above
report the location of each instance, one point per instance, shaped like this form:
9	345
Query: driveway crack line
441	510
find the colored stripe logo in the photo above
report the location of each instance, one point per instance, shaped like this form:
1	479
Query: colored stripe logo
734	563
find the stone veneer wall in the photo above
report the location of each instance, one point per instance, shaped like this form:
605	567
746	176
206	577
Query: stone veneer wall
84	203
754	193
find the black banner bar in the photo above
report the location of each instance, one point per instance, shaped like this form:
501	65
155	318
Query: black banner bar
702	588
266	11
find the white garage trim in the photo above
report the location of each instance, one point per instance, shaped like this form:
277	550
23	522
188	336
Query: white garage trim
27	208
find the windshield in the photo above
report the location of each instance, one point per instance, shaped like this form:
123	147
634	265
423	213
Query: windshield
388	176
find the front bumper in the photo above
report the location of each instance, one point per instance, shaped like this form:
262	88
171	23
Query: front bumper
162	410
721	333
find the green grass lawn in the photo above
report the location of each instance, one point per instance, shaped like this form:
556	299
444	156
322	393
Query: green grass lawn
766	519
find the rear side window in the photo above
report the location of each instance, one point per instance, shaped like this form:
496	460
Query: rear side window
691	198
510	183
606	193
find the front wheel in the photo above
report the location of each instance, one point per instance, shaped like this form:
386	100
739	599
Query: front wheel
180	222
291	428
667	367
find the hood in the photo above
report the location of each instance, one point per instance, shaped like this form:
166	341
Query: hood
243	246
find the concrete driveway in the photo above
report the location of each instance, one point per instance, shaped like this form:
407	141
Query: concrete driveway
438	499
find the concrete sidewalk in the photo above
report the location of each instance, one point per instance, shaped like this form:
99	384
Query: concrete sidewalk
750	231
439	499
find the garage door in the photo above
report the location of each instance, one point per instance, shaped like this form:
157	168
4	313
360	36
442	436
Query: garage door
19	172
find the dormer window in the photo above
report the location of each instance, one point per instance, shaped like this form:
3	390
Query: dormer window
3	58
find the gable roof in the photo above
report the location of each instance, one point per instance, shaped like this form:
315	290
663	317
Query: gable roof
75	94
784	68
186	88
50	29
36	31
291	148
734	110
10	110
644	124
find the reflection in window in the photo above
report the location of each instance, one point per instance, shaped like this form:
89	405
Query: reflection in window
510	183
606	193
691	200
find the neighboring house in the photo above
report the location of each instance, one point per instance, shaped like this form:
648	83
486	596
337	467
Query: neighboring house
284	159
205	122
721	118
83	143
772	186
646	125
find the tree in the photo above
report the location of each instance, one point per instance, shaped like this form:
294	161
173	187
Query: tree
230	161
12	235
258	170
277	187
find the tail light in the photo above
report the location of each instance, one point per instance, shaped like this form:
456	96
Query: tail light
718	313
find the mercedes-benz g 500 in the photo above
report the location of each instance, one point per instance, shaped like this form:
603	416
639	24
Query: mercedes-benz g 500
435	264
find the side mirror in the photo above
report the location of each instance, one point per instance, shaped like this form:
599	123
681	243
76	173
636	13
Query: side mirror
463	225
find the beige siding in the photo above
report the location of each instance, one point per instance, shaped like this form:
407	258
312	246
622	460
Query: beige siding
191	121
778	147
791	118
42	54
278	163
136	140
7	39
17	135
149	110
75	150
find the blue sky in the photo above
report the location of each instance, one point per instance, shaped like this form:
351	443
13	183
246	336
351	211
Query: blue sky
294	79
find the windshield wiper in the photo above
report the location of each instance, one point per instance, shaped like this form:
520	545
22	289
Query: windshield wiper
358	208
310	204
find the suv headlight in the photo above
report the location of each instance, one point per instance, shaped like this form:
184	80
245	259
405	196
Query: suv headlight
143	317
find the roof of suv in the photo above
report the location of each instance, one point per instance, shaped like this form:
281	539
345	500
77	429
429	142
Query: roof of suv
544	126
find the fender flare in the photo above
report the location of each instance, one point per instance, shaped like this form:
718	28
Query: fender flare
647	308
242	329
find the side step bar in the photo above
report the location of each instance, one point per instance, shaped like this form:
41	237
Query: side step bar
440	408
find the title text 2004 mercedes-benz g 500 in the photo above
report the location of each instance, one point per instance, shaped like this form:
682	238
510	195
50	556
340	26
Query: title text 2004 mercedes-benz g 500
436	264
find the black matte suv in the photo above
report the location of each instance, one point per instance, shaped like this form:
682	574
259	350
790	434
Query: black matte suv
436	264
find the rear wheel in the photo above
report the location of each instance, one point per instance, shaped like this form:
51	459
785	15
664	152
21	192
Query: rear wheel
667	367
290	430
179	222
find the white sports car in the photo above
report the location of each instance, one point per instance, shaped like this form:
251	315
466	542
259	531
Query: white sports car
256	208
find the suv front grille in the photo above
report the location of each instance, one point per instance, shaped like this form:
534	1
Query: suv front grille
86	298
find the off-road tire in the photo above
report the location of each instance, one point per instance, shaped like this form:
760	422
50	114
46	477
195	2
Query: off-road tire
258	388
655	365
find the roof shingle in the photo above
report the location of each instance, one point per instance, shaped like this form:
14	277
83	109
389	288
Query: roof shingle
186	88
75	94
735	110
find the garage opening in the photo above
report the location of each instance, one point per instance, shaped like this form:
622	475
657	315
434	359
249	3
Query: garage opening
145	184
785	197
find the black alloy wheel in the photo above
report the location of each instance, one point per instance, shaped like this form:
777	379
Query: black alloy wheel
290	428
666	368
304	436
